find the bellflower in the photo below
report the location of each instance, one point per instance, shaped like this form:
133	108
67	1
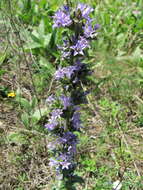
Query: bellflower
51	125
65	165
65	72
65	161
65	50
59	74
69	71
68	138
81	44
64	157
66	54
89	31
61	19
66	8
50	99
66	101
85	10
56	113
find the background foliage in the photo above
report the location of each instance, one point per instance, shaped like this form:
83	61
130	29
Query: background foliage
110	146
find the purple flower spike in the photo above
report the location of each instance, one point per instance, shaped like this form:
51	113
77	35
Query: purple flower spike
81	44
62	19
72	74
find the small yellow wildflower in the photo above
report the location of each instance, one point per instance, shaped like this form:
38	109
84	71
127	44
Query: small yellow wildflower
11	94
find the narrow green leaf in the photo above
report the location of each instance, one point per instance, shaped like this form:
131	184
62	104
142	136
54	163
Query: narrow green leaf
2	58
25	119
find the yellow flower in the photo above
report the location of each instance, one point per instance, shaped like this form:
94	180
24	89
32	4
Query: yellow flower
11	94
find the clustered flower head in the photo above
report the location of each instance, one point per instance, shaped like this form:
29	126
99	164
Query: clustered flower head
64	120
62	17
79	46
85	10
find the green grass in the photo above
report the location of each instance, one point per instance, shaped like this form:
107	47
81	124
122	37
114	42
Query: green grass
111	145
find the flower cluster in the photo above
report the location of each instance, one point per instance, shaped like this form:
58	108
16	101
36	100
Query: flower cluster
85	10
65	118
62	17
